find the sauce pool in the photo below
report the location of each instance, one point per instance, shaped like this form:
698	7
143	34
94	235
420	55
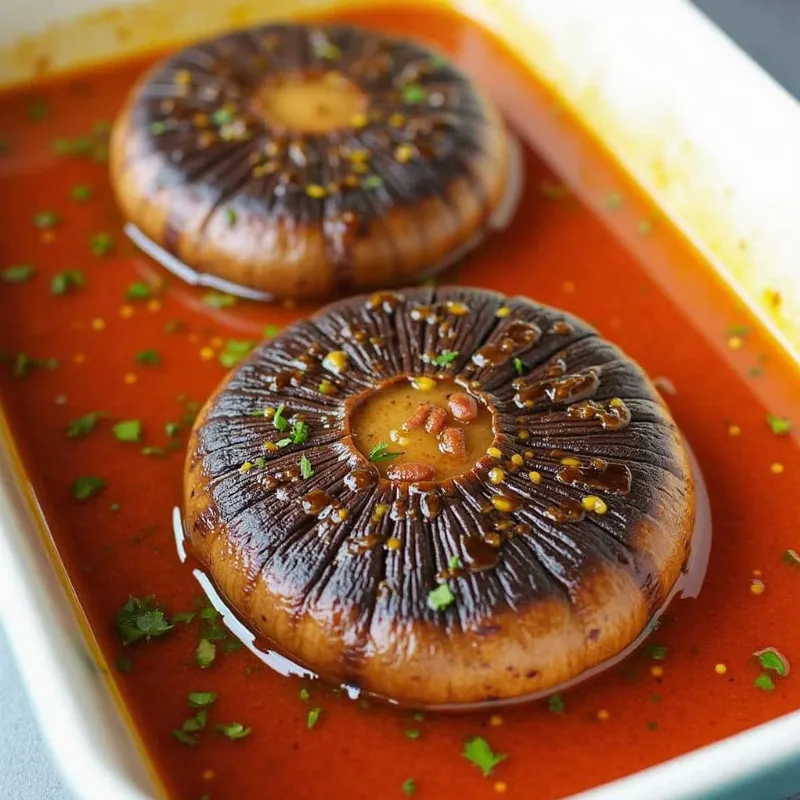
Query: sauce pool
137	347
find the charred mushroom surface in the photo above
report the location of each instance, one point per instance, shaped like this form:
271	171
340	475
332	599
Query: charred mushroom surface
304	161
495	572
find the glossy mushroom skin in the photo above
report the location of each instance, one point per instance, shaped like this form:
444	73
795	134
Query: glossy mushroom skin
570	588
206	175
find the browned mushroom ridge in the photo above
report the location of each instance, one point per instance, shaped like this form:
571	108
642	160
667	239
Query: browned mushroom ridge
304	160
553	570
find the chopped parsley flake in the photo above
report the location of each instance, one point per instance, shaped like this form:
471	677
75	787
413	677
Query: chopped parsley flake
555	703
772	661
201	699
44	220
138	291
153	450
86	486
298	435
174	326
150	357
306	470
440	597
159	127
381	452
129	430
444	358
408	787
222	116
184	616
172	428
186	738
141	619
233	730
313	717
372	182
81	192
101	243
478	752
82	426
791	557
230	216
19	273
23	363
645	227
205	653
413	733
195	723
737	330
658	652
765	683
67	280
519	367
280	422
454	562
219	299
413	94
234	351
270	331
780	426
305	695
613	201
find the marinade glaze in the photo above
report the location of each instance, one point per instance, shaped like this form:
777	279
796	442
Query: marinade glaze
552	550
692	683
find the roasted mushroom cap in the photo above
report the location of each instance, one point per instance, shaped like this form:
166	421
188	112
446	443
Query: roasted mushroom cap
304	161
542	559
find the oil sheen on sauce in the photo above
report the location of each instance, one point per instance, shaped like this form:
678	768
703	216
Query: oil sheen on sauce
692	683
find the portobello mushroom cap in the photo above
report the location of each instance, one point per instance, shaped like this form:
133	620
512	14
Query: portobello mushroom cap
303	161
557	545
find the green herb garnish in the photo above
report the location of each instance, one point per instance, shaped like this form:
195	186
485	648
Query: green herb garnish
85	487
381	452
184	616
141	619
270	331
780	426
791	557
737	330
644	227
150	357
519	367
413	94
280	422
172	428
23	363
306	470
772	661
67	280
82	426
305	695
764	682
234	351
298	435
195	723
186	738
612	201
440	597
138	291
81	192
413	733
555	703
478	752
444	358
215	299
159	127
201	699
205	653
44	220
101	243
658	652
129	430
372	182
222	116
154	450
454	562
408	787
233	730
230	216
19	273
313	717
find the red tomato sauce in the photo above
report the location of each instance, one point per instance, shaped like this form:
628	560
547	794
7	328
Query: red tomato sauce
584	240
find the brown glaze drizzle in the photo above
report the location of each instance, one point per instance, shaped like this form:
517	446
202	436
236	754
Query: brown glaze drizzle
567	510
482	555
360	479
609	476
566	389
614	416
516	337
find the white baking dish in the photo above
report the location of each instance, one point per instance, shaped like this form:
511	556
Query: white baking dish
689	117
